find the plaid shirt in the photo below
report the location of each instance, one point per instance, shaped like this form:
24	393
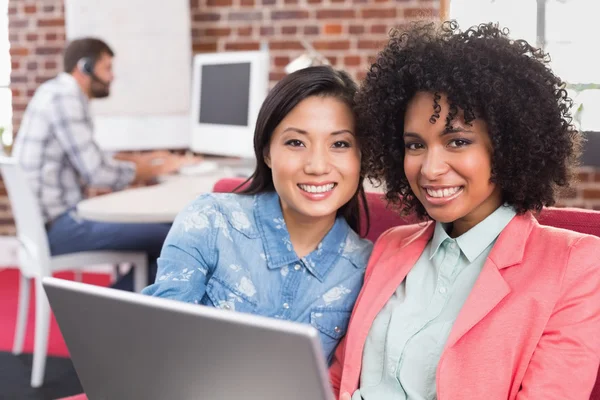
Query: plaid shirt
56	149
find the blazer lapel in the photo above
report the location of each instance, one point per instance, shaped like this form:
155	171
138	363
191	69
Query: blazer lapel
391	270
490	287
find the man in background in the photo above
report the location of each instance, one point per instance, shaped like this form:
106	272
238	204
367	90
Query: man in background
56	149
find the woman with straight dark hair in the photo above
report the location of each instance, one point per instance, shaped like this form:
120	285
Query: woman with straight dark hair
287	246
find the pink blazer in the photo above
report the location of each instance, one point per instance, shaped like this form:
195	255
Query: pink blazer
530	328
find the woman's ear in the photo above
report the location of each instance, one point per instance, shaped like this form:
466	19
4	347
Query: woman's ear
267	160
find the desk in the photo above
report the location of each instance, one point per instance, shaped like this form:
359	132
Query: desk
157	203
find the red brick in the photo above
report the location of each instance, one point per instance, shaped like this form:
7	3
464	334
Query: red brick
371	44
32	66
379	13
314	1
217	32
247	3
289	30
48	50
281	61
335	13
54	22
18	78
242	45
332	29
597	177
219	3
50	65
332	60
245	31
311	30
269	2
30	9
31	37
380	29
245	16
194	4
356	29
14	23
338	1
16	92
352	61
12	10
332	45
267	31
286	45
591	193
19	51
48	8
30	92
290	2
204	47
15	64
205	17
419	12
289	14
51	36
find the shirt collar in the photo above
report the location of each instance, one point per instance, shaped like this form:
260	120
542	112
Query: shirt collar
473	242
68	79
279	251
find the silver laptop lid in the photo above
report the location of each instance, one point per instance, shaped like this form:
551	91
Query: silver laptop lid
130	346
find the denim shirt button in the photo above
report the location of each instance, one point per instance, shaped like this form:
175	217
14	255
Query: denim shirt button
297	267
286	305
337	329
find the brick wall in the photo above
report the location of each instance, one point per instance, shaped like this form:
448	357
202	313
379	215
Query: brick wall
37	39
347	32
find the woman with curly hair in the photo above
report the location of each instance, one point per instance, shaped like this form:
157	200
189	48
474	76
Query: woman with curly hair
472	132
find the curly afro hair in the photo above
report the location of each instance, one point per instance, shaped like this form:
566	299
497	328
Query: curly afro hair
487	75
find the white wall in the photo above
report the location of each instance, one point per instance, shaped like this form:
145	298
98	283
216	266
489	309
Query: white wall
150	97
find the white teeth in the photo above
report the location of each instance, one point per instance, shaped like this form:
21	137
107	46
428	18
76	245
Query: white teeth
446	192
317	189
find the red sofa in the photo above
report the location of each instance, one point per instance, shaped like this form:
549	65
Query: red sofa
382	218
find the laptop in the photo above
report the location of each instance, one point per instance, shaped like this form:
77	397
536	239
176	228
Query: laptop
127	346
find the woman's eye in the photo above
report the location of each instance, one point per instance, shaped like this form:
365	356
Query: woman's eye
413	146
459	143
294	143
341	144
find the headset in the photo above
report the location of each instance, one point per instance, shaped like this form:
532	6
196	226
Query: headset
86	65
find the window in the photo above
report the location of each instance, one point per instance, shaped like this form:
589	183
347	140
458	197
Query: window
564	28
5	92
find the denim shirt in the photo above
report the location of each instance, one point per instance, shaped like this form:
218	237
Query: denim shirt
234	252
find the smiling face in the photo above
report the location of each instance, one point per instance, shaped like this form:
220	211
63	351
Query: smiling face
449	168
314	158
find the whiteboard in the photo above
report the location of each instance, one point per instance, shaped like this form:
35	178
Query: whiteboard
150	96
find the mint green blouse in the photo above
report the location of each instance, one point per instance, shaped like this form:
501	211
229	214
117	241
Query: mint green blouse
408	335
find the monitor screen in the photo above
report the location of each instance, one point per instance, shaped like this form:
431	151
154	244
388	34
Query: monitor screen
224	96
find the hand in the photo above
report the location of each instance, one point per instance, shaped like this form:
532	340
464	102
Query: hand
345	396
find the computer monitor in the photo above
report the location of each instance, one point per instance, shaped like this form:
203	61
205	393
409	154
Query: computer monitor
227	92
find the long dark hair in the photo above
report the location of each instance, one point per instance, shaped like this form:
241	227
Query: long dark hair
321	81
